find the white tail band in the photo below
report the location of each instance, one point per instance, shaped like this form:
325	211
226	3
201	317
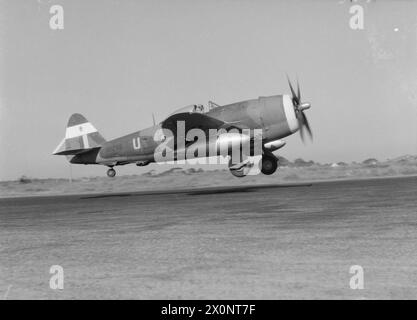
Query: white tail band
79	130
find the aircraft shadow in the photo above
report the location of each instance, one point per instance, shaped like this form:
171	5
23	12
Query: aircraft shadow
199	191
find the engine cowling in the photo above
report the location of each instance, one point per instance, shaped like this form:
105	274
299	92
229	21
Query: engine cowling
278	116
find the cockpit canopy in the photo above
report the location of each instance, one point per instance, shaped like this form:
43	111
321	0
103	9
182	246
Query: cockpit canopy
198	108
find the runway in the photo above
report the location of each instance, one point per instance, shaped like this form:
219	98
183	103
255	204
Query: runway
252	242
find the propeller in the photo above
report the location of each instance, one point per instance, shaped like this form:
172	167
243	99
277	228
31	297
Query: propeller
299	108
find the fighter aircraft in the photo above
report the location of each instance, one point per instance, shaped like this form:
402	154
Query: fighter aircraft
276	117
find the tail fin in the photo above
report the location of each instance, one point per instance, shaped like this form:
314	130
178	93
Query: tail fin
80	136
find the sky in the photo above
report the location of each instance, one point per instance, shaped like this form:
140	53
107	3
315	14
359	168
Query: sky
117	62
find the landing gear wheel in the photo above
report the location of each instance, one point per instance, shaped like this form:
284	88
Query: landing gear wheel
111	173
268	164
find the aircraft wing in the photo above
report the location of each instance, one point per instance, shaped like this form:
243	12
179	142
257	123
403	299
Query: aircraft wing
198	121
192	121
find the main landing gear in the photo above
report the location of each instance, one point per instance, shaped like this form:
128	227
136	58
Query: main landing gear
269	164
111	173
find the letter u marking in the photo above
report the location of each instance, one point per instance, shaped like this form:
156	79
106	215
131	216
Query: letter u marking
136	143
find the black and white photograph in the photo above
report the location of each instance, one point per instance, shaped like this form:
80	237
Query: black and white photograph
208	150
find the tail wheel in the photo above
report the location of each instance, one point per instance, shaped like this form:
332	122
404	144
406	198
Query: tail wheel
269	164
111	173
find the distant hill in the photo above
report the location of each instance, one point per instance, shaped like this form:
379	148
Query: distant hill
406	158
370	161
302	163
284	162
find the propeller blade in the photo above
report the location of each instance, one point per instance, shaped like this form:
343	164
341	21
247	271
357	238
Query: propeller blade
307	125
301	126
298	91
298	109
294	97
